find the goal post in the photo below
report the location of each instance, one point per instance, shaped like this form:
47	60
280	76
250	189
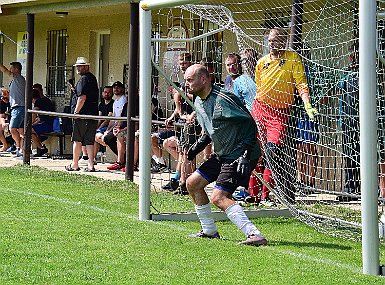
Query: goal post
145	99
368	136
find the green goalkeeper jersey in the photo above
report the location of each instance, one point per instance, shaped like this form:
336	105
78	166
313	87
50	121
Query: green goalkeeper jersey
228	123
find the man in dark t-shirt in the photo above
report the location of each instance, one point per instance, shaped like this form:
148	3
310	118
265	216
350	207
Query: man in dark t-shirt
84	102
42	123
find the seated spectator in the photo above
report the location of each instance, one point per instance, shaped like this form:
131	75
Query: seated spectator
108	138
39	88
41	123
158	138
120	131
4	119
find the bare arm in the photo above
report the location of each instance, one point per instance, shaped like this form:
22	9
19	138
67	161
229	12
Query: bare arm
5	70
305	97
80	103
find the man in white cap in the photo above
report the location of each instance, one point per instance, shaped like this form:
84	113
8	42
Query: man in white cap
84	102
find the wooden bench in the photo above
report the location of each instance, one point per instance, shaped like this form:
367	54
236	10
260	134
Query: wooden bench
60	136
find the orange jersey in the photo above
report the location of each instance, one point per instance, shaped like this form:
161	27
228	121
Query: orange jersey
277	79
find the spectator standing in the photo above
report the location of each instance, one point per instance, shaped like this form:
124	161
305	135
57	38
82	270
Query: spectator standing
308	130
245	89
349	110
221	114
234	69
84	102
278	74
17	101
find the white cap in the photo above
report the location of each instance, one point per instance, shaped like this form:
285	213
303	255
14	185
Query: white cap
81	60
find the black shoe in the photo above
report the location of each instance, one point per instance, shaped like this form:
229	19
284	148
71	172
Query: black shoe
181	190
158	167
201	234
41	151
172	185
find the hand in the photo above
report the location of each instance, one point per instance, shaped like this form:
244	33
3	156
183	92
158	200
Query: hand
198	146
311	112
116	131
243	168
168	122
190	119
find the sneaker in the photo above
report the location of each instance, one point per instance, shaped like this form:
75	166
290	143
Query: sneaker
11	148
181	190
172	185
267	202
158	167
255	240
17	153
201	234
241	195
41	151
116	166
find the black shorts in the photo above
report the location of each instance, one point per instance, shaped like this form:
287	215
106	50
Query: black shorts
224	173
84	131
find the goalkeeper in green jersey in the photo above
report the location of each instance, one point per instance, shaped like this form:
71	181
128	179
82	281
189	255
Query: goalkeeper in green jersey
228	124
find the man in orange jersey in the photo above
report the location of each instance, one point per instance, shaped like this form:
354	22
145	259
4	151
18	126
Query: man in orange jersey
277	76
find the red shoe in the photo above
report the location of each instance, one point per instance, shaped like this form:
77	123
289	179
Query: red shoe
115	166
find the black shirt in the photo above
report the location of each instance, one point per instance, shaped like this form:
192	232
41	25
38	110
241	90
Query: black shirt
105	109
5	109
44	104
87	85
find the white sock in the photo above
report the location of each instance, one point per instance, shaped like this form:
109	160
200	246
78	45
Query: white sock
155	158
236	214
205	217
161	160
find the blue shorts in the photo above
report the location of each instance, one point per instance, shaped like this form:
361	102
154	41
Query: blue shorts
307	131
43	127
163	135
17	118
102	130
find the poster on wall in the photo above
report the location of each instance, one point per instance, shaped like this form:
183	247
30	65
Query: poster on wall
177	31
22	50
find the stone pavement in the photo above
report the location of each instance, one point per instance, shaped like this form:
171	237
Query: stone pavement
6	159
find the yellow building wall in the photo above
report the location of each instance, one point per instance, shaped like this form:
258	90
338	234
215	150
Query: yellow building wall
81	32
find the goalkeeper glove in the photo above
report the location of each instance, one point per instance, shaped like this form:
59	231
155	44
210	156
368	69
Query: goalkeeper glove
311	111
243	168
198	146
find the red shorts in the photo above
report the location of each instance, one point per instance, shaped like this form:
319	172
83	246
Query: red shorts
271	122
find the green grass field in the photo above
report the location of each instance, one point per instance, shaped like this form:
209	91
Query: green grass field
59	228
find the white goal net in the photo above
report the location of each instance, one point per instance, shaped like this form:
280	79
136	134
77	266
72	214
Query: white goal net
315	172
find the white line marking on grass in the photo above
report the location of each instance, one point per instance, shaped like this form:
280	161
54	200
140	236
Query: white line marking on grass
95	208
316	259
177	227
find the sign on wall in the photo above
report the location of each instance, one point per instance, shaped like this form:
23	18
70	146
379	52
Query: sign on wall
22	50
